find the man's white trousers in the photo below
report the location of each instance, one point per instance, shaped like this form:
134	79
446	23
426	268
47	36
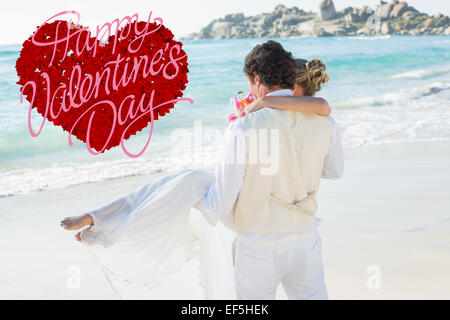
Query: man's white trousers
295	260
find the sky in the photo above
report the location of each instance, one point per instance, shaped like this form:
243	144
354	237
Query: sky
20	18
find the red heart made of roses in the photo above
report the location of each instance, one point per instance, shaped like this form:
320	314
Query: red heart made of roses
106	87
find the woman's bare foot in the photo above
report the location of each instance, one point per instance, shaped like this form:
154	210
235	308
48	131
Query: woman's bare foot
75	223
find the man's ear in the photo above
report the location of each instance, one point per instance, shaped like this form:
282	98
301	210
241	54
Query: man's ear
256	79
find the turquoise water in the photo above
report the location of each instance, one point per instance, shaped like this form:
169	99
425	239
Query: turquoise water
382	90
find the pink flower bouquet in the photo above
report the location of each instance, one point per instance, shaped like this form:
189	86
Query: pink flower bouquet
239	103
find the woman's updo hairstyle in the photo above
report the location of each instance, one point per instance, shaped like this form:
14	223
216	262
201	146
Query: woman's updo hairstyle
310	75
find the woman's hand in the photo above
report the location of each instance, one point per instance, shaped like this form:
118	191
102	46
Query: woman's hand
255	106
323	107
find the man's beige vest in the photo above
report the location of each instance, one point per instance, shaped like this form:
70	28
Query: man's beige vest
281	200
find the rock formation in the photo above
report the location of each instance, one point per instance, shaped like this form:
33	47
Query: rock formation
327	10
396	17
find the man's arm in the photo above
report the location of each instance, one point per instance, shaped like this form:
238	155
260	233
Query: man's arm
333	167
230	171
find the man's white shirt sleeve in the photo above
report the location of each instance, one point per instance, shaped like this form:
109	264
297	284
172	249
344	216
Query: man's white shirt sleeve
333	167
229	173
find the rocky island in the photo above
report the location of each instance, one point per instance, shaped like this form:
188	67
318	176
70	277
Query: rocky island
396	17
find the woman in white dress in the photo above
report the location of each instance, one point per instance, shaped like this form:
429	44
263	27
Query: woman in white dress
147	235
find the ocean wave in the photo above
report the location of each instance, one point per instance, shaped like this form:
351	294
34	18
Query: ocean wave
435	88
393	98
305	36
25	179
421	74
371	38
6	53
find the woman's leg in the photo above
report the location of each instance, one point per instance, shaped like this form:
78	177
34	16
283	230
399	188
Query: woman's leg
159	201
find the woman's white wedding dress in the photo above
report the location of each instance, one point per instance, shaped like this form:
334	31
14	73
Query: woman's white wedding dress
147	236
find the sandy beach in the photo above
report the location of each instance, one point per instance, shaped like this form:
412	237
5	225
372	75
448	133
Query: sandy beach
385	230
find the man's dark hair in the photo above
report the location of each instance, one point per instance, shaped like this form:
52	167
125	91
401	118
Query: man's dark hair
273	65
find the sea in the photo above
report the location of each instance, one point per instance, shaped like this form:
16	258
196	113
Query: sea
382	89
